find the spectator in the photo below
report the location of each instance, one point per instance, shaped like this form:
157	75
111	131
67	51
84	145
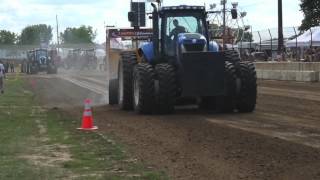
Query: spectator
6	66
2	76
317	55
12	67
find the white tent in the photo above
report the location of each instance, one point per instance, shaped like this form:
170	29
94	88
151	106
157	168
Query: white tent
304	40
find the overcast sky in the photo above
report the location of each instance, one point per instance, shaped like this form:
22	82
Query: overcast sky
16	14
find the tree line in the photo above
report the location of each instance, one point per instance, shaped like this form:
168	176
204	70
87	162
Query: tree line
311	11
42	33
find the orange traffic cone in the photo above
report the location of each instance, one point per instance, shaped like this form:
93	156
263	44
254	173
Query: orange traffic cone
87	119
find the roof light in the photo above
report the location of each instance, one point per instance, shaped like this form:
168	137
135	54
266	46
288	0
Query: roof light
182	7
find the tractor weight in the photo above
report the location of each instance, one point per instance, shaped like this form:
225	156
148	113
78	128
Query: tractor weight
225	103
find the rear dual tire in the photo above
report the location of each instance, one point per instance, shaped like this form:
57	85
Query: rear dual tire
246	101
242	82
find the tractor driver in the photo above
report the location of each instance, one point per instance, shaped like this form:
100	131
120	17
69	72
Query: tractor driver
177	30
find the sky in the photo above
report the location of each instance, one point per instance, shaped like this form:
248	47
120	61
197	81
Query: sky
16	14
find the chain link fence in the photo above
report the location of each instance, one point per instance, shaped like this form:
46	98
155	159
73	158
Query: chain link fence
264	45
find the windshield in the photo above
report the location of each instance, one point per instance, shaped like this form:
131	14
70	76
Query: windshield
176	24
190	24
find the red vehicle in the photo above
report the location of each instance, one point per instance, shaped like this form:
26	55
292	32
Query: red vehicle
53	54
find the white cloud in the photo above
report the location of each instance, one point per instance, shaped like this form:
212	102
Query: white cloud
16	14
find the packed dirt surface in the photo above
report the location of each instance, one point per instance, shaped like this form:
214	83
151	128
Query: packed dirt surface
280	140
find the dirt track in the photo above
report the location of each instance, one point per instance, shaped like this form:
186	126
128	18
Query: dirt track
281	140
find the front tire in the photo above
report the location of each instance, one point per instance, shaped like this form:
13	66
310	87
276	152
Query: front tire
232	56
248	91
166	89
33	69
113	91
125	78
226	103
143	89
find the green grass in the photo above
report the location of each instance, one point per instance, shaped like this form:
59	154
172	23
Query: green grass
37	143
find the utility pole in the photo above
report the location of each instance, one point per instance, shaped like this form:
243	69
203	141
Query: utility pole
280	28
58	43
224	23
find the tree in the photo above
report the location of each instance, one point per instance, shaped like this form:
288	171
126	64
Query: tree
311	10
7	37
36	34
83	34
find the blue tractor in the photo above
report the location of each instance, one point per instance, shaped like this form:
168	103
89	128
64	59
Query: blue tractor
40	61
180	65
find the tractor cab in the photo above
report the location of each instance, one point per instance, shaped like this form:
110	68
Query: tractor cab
177	30
183	26
41	57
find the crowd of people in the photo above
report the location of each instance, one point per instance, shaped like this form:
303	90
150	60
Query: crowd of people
312	54
2	76
5	67
9	66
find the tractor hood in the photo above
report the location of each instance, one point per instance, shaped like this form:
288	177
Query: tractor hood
189	42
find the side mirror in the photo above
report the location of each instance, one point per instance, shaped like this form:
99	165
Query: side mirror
131	16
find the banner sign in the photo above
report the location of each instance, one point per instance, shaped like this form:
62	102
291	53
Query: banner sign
130	33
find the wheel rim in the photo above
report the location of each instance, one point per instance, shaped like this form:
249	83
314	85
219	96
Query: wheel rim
120	77
136	92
